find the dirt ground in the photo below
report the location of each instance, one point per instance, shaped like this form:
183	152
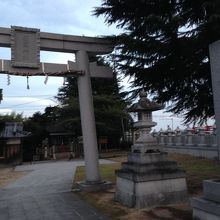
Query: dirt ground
8	175
197	169
105	201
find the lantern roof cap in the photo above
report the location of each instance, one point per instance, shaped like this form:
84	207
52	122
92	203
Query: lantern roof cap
144	104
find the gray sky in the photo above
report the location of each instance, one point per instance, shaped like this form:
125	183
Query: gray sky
56	16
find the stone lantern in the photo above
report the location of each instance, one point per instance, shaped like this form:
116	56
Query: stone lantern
144	107
148	178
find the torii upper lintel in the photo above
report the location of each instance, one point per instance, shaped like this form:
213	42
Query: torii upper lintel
62	42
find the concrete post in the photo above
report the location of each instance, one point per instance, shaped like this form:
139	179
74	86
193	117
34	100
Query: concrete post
170	136
202	137
214	138
161	137
214	51
54	152
45	153
178	139
87	119
189	135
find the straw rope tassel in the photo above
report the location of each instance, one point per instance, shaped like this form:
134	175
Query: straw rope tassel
8	79
46	75
28	87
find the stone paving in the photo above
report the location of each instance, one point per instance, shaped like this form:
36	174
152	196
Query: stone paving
45	193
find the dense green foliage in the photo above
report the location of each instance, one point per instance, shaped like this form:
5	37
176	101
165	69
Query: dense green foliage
109	107
12	117
164	45
37	125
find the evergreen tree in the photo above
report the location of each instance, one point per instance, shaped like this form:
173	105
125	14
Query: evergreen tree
164	46
109	107
37	125
12	117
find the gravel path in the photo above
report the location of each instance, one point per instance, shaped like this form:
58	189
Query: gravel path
45	193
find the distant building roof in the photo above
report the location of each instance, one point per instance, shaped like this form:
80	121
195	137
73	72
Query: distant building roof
62	133
13	130
58	129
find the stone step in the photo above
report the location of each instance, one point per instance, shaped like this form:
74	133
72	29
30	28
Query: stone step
211	190
143	158
157	174
205	209
142	168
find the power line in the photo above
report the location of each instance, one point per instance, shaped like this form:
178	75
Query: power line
28	107
22	96
167	116
25	103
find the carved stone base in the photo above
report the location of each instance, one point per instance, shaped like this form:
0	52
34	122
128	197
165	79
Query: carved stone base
150	193
148	180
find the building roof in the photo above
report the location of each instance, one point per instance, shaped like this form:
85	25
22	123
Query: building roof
56	128
13	130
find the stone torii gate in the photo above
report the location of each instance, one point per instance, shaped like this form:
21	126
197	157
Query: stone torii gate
26	43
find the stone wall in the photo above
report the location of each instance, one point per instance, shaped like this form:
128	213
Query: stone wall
200	143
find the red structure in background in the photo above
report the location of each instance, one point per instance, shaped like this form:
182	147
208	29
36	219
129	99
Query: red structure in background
207	129
62	147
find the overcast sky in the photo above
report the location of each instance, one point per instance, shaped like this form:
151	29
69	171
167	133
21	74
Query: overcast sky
67	17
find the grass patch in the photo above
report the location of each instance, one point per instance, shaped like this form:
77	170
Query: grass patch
197	170
107	172
103	201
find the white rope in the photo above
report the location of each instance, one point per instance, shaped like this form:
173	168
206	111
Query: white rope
8	80
28	86
46	78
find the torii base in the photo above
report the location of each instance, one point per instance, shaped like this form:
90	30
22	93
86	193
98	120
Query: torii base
88	186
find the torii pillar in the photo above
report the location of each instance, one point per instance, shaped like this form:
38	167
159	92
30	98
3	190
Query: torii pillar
87	119
214	52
